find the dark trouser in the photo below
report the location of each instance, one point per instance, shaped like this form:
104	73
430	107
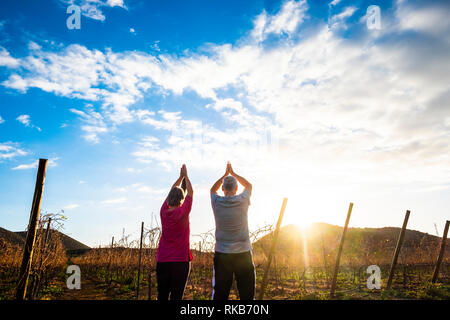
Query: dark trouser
171	278
239	264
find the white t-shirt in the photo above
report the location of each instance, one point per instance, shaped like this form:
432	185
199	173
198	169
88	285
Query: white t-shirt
231	215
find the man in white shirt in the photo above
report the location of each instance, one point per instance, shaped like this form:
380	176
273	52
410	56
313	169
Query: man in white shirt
233	249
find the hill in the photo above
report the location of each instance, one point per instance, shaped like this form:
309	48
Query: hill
11	237
362	245
18	238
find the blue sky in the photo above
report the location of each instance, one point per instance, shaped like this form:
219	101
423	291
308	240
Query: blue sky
302	97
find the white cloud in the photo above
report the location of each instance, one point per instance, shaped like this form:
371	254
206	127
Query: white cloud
285	21
338	20
141	188
34	46
9	150
114	201
169	120
25	120
94	8
324	104
203	146
358	103
154	46
430	19
114	3
6	59
93	123
334	2
16	82
74	72
26	166
51	163
1	120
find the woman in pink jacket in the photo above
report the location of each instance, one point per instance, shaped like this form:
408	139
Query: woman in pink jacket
173	258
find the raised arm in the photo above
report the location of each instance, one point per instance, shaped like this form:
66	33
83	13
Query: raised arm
177	183
218	183
189	189
183	184
247	185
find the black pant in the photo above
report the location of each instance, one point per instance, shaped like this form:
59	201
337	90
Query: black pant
239	264
172	278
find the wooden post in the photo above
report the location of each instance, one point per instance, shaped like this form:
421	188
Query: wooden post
272	249
21	288
139	265
43	250
441	253
341	246
47	232
109	276
397	249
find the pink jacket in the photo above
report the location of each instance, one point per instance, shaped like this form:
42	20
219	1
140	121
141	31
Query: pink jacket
174	243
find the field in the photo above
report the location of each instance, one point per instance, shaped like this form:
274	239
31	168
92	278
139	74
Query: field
302	266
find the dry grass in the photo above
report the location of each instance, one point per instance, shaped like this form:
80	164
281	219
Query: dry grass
49	259
111	272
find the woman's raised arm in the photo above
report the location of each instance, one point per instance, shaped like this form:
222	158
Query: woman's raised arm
190	190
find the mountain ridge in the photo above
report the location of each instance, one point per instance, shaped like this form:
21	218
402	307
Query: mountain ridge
18	238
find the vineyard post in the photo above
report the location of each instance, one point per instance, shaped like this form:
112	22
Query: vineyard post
441	253
397	249
272	249
21	288
47	231
110	260
150	264
341	246
139	264
43	250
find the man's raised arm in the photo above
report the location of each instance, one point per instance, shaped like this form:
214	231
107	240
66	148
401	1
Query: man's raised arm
247	185
218	183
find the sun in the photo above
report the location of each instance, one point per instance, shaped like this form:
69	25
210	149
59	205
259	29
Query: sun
302	221
309	201
300	209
